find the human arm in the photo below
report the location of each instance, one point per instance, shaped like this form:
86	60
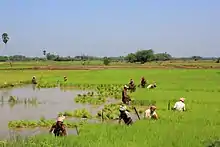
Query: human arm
52	128
184	107
120	118
147	114
175	106
155	116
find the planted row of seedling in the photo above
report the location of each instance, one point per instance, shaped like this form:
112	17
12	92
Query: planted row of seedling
80	113
41	123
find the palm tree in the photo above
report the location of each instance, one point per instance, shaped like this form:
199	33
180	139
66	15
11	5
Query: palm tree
44	53
5	39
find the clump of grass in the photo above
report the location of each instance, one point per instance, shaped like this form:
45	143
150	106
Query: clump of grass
81	113
89	99
46	85
14	84
40	123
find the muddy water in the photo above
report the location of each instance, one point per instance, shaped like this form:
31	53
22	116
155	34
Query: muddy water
53	101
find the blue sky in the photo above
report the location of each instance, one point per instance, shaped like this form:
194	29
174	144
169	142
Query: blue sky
111	27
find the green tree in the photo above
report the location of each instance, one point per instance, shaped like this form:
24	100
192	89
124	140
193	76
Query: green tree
5	38
131	58
106	61
162	57
195	58
50	56
218	60
144	55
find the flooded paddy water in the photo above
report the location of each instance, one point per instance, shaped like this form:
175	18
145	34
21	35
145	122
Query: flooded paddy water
51	102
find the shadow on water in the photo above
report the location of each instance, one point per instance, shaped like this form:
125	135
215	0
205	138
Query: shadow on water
53	101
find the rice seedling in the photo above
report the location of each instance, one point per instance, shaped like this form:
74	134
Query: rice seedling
81	113
41	123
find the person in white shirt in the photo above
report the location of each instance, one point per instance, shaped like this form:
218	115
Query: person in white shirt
151	113
180	105
125	115
151	86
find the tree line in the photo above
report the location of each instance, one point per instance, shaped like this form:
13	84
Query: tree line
140	56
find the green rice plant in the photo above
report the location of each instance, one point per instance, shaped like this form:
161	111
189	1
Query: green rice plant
81	113
40	123
96	100
173	129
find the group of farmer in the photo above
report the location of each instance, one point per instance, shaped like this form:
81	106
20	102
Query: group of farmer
58	128
132	87
150	113
143	83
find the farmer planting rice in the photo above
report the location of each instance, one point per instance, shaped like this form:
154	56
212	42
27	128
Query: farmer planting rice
125	115
143	82
180	105
152	86
34	81
132	86
59	128
151	113
125	98
65	78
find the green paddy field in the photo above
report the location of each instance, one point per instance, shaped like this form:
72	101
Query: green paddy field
197	127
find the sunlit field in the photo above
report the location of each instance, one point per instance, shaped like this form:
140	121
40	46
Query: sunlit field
196	127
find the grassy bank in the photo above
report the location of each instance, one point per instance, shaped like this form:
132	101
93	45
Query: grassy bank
194	128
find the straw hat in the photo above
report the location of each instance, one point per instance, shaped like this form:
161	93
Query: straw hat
153	107
126	86
34	76
182	99
61	118
122	108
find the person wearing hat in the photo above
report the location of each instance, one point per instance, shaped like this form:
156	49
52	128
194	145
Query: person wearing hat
34	81
125	97
180	105
65	78
151	113
151	86
125	115
132	86
59	128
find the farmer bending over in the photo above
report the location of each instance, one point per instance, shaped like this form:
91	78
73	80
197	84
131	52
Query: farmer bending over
180	105
59	128
125	115
131	84
143	82
151	113
125	97
151	86
65	78
34	81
